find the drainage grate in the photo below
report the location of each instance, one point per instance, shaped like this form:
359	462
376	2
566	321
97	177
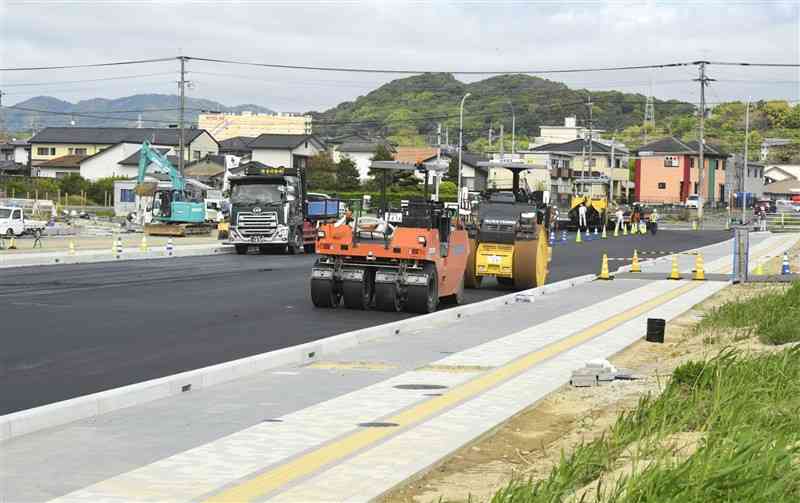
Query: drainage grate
378	424
273	420
420	386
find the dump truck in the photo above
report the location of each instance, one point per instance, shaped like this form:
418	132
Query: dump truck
271	209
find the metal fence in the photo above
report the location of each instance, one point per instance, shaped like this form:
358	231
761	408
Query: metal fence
783	222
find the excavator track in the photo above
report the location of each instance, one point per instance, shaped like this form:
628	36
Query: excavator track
178	230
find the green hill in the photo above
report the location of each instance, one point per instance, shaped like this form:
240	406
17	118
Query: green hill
408	110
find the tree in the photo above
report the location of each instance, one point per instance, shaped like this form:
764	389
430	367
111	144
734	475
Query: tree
347	175
321	172
452	170
74	184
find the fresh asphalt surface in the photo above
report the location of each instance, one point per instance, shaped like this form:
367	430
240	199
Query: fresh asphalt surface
70	330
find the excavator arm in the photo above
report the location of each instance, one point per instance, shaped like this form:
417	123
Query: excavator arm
148	157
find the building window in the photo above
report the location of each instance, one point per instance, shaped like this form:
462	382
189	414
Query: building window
691	162
670	161
662	185
45	151
696	186
61	174
127	196
80	151
196	155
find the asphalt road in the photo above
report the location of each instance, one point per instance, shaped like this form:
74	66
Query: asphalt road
67	331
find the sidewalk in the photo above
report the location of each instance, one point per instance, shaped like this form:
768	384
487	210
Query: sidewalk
353	425
103	249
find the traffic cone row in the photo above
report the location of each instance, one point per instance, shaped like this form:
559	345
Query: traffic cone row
143	245
72	248
12	244
785	267
170	247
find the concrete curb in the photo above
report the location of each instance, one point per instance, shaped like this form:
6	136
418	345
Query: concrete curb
94	256
47	416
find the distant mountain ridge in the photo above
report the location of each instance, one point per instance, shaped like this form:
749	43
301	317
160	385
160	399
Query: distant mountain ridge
159	110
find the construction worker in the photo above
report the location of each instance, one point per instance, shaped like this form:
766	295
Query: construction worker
582	216
620	216
762	218
653	222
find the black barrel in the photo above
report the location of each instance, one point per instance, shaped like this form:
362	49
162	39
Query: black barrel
655	330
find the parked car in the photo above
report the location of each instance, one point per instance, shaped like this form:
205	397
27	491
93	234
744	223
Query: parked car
693	201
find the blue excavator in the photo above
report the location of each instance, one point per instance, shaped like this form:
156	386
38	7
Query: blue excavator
175	212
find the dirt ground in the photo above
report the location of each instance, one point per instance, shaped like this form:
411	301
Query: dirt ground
531	443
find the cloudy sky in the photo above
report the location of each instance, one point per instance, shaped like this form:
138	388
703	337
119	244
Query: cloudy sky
467	35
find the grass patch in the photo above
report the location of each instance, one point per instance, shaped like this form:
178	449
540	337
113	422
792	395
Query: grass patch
745	411
773	316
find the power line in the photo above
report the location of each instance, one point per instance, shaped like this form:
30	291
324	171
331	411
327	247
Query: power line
88	65
456	72
59	82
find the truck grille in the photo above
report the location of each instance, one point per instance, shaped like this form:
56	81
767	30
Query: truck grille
250	224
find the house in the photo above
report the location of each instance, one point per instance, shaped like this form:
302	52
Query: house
786	189
55	142
15	150
60	167
287	150
415	155
360	150
608	163
213	170
561	134
737	179
667	172
781	172
237	145
473	176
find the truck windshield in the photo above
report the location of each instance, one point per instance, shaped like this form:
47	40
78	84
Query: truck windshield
253	194
5	212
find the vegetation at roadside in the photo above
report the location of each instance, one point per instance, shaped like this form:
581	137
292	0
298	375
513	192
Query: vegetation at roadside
742	412
97	193
773	316
725	429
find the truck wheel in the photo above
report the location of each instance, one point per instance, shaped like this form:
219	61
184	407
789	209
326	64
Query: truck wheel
358	294
241	249
323	294
296	242
10	232
387	297
424	299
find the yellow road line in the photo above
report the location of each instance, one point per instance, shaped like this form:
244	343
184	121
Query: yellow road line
307	464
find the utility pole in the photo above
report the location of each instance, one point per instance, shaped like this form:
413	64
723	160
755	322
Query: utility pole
182	85
447	136
491	133
2	117
744	168
701	177
438	160
502	149
591	126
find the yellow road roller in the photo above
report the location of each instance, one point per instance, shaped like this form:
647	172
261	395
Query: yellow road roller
508	240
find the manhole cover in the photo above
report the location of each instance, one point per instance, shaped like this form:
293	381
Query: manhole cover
420	386
378	424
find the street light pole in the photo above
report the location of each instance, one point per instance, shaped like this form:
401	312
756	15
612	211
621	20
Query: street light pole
513	129
461	146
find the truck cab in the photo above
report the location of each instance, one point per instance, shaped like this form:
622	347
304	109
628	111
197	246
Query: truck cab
267	210
12	221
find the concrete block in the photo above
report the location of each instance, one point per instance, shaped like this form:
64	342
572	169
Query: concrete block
127	396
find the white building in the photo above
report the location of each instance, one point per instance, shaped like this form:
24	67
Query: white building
287	150
229	125
360	151
561	134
